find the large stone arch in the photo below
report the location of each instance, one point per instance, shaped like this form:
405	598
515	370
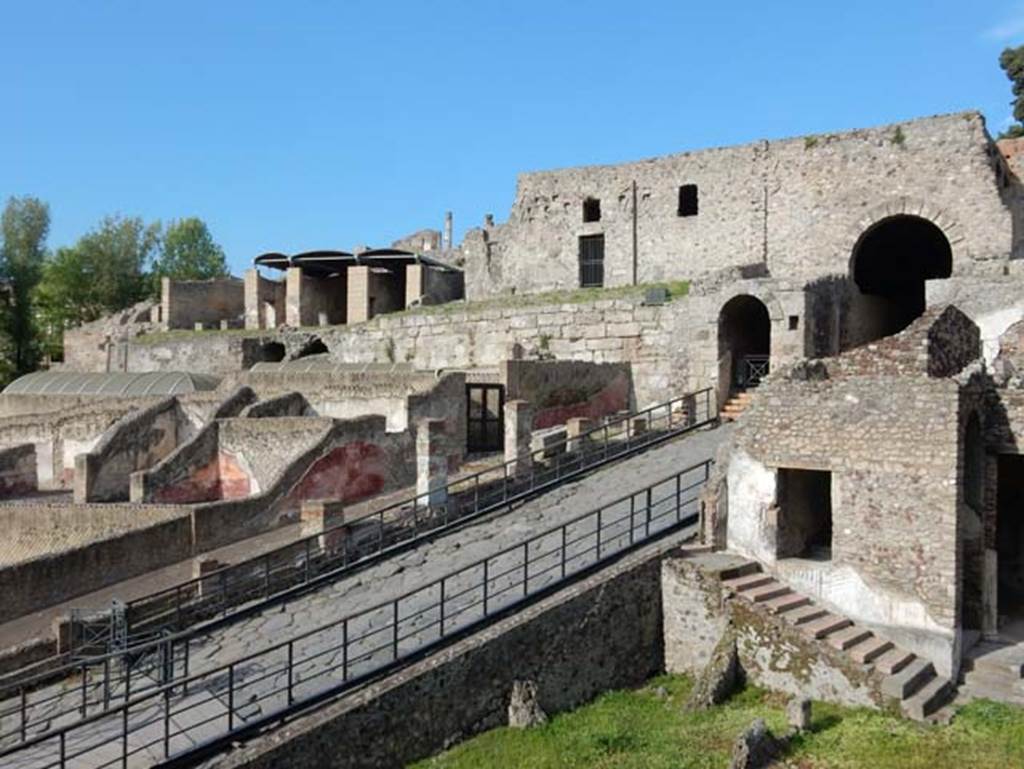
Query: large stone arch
744	332
893	251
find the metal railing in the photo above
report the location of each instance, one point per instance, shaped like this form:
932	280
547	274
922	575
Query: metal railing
170	721
752	369
328	556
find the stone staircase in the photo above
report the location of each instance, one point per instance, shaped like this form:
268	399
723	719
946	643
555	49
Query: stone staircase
736	405
906	677
993	670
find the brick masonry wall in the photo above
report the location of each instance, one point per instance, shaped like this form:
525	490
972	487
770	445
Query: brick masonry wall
797	205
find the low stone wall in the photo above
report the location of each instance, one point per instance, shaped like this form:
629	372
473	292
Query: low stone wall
18	471
292	404
136	442
603	632
187	302
51	553
561	390
772	653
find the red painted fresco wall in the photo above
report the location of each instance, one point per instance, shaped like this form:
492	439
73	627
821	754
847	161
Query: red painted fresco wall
351	472
612	398
223	477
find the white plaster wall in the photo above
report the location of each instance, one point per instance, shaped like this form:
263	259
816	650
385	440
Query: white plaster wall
752	490
394	410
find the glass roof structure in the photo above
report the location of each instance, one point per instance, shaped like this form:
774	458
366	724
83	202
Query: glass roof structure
115	384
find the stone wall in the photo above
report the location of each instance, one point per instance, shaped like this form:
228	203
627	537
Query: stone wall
796	205
561	390
894	543
601	633
18	474
52	552
184	303
265	301
136	442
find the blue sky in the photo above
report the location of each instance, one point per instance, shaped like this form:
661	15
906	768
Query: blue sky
298	125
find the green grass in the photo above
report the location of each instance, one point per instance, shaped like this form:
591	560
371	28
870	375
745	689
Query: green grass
676	289
640	730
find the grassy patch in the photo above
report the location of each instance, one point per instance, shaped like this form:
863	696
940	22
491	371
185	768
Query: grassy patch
640	729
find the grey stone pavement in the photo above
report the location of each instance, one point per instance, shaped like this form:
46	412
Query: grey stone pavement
258	682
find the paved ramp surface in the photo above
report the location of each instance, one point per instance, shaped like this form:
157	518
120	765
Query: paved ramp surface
260	683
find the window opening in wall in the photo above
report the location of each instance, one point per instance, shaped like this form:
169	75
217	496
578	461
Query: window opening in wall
805	514
591	261
591	210
974	464
485	417
688	200
794	322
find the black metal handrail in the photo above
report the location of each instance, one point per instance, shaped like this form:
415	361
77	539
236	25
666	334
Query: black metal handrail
342	654
312	561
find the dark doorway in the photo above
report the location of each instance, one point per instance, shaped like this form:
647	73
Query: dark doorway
314	346
1010	534
805	514
591	261
891	263
744	340
485	418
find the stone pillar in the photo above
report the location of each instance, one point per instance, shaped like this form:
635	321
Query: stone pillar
358	294
446	242
431	462
202	567
165	303
518	431
637	426
574	428
413	284
317	516
253	305
293	297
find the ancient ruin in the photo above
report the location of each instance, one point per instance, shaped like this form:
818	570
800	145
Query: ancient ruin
779	385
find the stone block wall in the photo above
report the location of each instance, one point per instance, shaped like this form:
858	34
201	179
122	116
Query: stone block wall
561	390
187	302
894	503
796	205
18	473
265	301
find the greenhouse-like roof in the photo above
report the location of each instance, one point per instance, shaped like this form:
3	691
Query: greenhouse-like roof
323	363
125	385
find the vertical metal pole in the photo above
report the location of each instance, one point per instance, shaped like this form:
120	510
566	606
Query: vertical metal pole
84	694
606	440
599	533
231	697
224	589
124	736
485	587
647	525
395	634
441	620
184	678
106	682
344	650
266	575
564	549
63	750
526	568
679	501
305	577
24	715
291	699
476	493
167	723
177	607
632	516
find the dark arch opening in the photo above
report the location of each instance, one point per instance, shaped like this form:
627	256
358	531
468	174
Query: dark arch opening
270	352
314	346
891	263
744	340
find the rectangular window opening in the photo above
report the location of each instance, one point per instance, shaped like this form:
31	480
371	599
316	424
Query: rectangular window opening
591	261
591	210
688	200
805	514
794	322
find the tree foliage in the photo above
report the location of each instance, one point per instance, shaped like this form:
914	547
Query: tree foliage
24	225
1012	62
189	252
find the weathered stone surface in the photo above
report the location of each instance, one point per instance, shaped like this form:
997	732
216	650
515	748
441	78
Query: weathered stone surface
523	709
798	713
755	748
720	678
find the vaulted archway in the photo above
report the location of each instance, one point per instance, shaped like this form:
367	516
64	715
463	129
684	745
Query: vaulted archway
891	262
744	340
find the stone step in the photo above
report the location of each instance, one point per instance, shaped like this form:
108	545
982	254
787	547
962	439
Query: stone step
893	661
826	625
999	690
849	637
908	680
805	614
1006	659
929	698
767	592
996	679
870	650
740	584
786	603
744	569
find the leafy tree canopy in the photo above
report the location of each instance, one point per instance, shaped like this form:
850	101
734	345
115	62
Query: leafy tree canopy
189	252
1012	62
24	225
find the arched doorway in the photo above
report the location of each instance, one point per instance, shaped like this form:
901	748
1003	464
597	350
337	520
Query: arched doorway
744	342
891	262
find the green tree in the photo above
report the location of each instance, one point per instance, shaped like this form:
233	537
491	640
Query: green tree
1012	62
105	271
189	252
24	225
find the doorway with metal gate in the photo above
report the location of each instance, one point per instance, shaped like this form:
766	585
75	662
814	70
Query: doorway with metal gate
591	261
485	418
